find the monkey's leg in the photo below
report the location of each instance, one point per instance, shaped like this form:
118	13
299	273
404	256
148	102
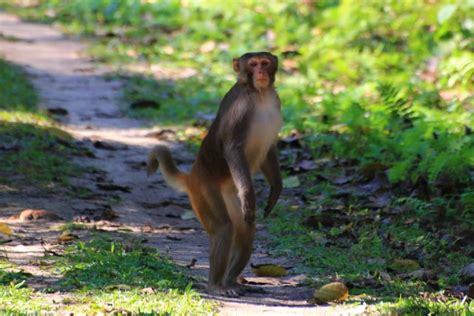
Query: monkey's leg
211	211
242	240
220	245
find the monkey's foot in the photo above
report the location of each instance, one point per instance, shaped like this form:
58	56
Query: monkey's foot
244	288
223	291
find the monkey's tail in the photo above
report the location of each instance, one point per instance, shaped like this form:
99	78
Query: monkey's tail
160	157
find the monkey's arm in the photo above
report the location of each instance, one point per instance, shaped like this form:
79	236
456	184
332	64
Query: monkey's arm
271	170
240	171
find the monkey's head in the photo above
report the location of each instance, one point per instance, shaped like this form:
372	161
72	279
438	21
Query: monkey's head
257	69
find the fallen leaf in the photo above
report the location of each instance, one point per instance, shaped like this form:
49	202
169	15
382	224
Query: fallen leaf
380	201
385	277
163	134
148	228
291	182
305	165
188	215
379	182
339	180
148	290
410	221
35	214
66	237
270	270
4	229
404	265
120	287
332	292
81	219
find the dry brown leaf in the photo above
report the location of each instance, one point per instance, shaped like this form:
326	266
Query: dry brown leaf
269	270
34	215
404	265
66	237
332	292
4	229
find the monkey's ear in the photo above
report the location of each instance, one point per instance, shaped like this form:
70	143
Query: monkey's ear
235	64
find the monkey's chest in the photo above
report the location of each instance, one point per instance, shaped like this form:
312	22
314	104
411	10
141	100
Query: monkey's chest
264	130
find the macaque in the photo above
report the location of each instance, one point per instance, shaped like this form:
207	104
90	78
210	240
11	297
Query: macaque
241	141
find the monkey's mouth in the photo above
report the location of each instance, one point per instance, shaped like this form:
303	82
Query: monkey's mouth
262	81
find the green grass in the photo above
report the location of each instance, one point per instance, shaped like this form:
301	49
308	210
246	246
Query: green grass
17	93
101	263
109	273
33	149
417	306
11	274
17	300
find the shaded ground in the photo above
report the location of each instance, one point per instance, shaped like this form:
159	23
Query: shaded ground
68	80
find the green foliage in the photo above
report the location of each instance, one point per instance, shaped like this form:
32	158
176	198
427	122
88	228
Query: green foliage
31	148
385	82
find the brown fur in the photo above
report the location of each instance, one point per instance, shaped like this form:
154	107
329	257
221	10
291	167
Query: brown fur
240	142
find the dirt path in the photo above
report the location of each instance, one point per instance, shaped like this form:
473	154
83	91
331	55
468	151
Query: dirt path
66	79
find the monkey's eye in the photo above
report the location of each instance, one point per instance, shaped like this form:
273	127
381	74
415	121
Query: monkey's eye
265	63
253	64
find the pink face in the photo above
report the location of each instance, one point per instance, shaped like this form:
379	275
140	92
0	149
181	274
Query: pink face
259	67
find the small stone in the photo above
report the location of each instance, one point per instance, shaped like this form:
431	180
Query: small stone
467	274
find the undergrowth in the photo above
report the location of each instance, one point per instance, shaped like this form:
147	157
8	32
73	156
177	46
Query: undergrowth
32	148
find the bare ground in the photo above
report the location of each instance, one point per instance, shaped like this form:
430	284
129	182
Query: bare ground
65	78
